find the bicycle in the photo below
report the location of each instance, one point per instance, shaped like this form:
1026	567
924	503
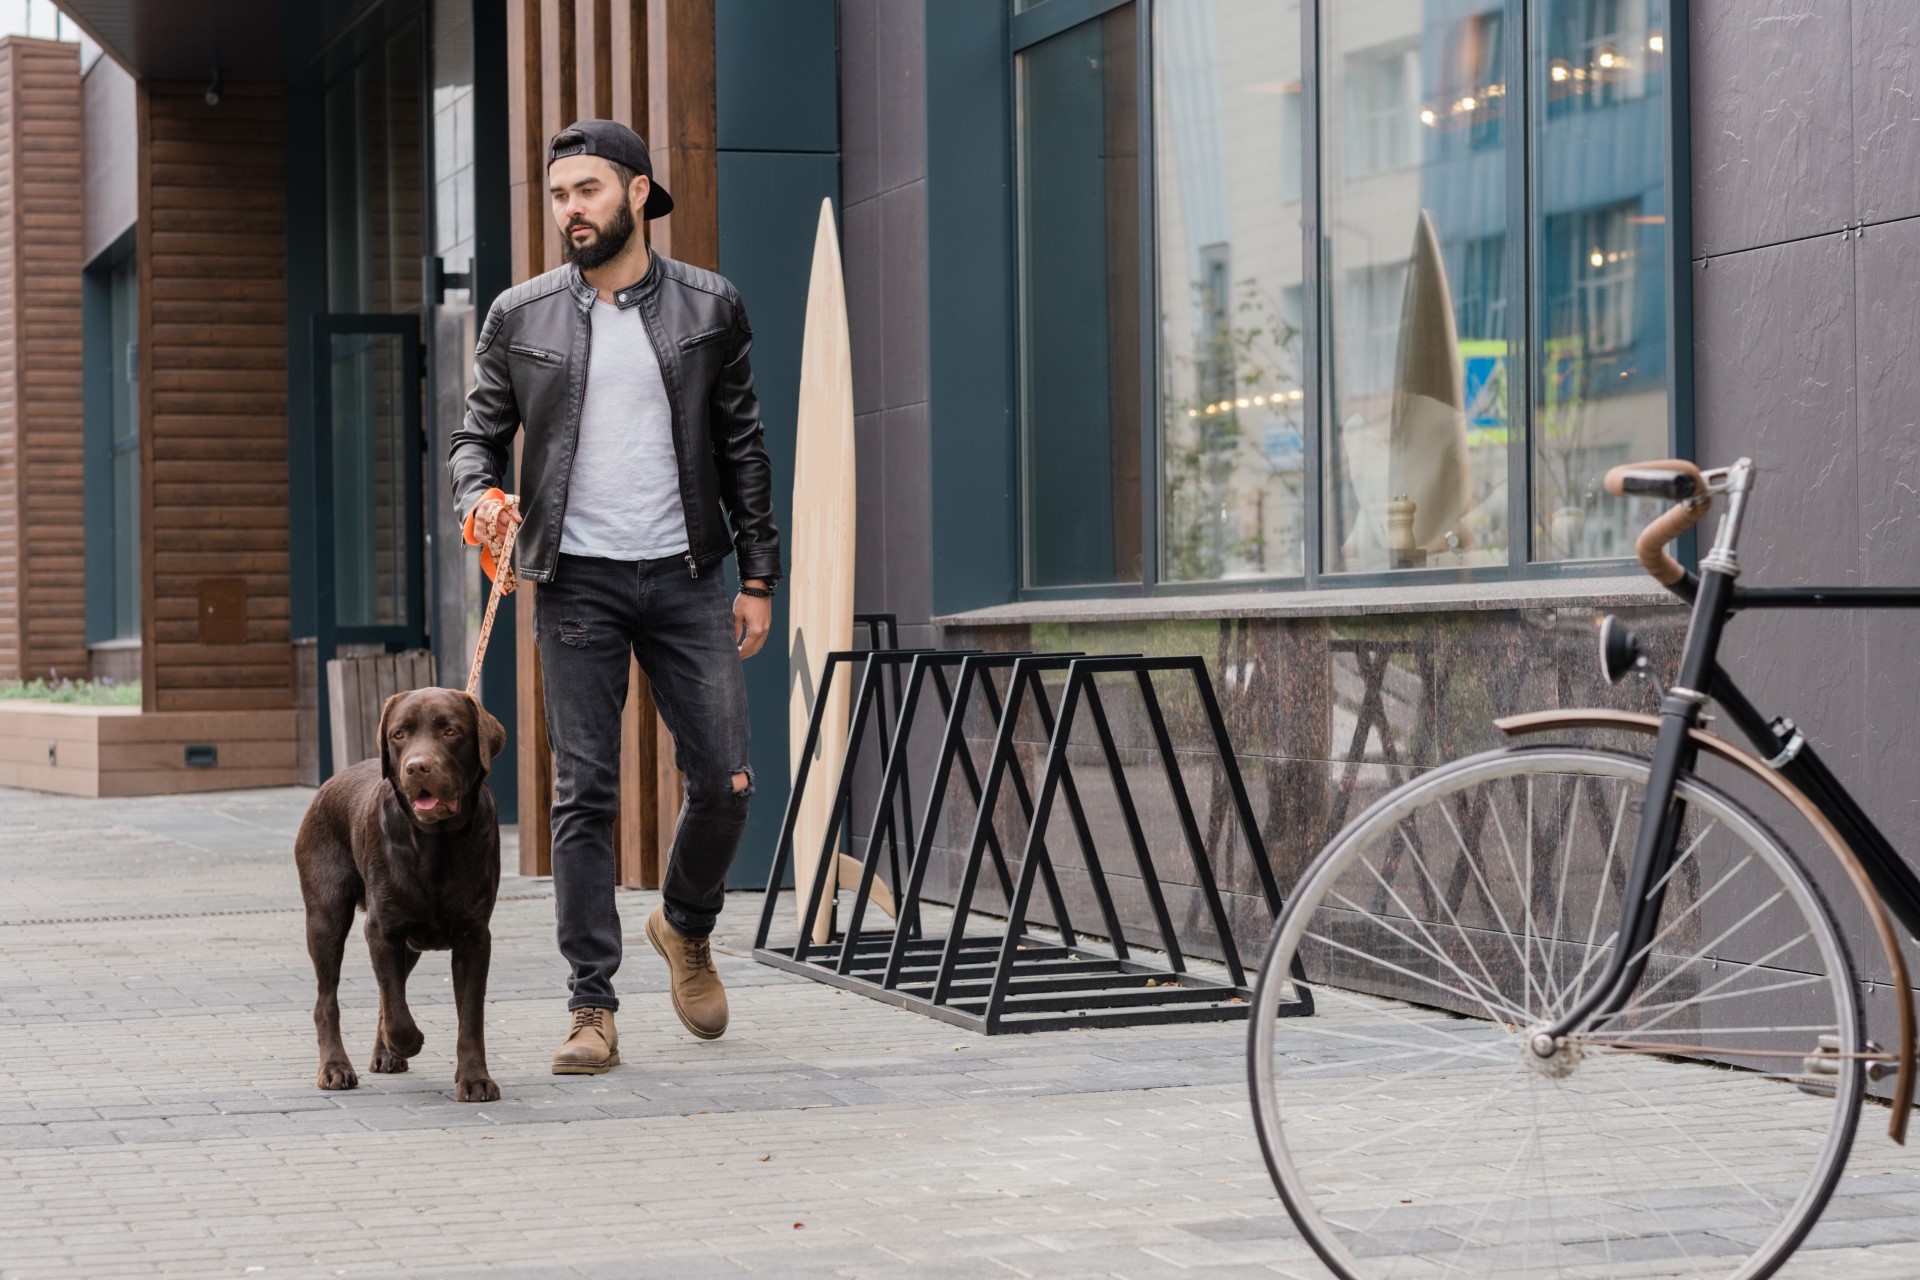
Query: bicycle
1540	1007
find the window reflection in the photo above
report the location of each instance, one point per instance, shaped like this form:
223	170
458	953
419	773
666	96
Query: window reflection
1227	158
1080	303
1600	164
1415	227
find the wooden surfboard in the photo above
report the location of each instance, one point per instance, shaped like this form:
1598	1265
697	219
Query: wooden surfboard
820	588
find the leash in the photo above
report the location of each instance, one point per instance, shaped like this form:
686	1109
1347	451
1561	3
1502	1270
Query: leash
503	569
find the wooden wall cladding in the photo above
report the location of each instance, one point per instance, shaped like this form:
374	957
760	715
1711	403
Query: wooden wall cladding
42	505
213	399
648	64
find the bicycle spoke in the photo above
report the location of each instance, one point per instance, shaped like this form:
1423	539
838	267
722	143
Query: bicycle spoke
1433	887
1423	1136
1388	964
1492	994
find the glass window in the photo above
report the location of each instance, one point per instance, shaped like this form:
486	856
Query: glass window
1476	256
1227	189
1599	158
124	384
1078	120
1415	222
459	585
375	200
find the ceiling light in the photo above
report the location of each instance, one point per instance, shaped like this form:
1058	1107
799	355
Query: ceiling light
1597	258
1243	403
1426	116
1559	72
1657	42
1605	59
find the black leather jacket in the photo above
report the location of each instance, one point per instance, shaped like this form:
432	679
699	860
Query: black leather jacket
530	367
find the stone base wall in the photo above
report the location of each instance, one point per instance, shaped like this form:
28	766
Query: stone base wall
1325	715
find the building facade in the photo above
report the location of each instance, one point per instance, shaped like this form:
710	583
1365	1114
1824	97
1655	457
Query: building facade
1293	333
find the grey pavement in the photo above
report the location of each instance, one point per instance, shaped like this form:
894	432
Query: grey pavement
158	1114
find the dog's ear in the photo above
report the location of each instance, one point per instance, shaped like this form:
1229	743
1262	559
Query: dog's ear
489	735
386	727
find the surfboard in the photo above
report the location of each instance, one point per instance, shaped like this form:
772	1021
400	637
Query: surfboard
820	587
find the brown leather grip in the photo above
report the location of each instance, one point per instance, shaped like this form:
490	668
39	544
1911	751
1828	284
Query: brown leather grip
1615	480
1651	547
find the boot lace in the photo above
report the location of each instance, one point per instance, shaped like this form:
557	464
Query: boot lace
589	1017
699	954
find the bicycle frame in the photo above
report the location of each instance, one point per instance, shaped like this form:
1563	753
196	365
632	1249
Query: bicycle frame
1877	867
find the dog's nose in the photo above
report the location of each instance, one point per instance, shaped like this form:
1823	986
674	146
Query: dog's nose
419	764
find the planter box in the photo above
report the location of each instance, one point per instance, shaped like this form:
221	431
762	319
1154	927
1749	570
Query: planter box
123	751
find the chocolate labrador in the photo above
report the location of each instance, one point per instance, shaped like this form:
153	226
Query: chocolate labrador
413	838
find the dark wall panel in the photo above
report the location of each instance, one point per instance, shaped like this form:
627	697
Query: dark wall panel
1772	121
1886	81
769	209
774	79
970	286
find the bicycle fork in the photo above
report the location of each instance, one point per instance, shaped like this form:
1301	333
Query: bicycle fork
1661	818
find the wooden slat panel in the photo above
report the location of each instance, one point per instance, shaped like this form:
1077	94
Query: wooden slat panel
680	87
214	393
42	560
559	94
593	68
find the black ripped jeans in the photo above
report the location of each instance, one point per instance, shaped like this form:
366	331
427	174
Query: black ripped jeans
587	620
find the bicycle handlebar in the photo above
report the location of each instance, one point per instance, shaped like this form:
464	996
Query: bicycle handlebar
1671	478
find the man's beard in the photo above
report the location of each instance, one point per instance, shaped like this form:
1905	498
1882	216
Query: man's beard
607	242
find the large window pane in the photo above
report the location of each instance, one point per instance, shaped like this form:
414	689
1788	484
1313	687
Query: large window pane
1227	167
1599	82
1080	304
1414	99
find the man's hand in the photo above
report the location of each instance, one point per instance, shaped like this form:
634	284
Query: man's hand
752	618
491	520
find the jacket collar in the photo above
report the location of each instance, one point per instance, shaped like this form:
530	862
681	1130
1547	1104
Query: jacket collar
630	296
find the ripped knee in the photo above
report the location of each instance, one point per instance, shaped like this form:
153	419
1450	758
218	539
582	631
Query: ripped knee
743	783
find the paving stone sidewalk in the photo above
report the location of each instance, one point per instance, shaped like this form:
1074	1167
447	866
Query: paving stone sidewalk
158	1114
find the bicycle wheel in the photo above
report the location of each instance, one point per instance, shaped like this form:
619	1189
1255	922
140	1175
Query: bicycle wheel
1412	1132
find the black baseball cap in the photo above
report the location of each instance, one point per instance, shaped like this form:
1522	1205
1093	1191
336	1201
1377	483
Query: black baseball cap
611	140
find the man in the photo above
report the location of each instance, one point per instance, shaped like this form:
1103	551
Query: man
629	372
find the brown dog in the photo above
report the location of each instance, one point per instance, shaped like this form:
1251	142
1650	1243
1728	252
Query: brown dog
413	838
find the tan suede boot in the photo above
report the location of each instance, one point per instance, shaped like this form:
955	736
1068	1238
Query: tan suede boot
593	1046
698	997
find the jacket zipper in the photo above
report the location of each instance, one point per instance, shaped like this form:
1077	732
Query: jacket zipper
660	352
566	487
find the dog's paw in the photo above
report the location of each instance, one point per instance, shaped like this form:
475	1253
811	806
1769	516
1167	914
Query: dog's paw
337	1075
403	1041
385	1061
482	1089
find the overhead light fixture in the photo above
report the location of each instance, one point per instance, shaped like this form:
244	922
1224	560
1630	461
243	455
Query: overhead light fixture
1657	42
1559	72
1606	59
1597	258
1427	117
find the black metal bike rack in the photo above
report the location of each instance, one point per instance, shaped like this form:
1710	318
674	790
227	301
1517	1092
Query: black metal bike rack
1014	980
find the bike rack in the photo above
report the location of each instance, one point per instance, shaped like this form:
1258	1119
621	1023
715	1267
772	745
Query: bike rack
1015	981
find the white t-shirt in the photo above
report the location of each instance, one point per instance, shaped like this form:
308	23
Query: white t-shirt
623	501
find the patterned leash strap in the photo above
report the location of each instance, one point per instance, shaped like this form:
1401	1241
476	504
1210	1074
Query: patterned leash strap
501	571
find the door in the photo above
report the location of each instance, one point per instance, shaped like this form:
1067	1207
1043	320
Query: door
368	501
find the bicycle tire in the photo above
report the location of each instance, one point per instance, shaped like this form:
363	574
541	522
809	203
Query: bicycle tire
1481	1051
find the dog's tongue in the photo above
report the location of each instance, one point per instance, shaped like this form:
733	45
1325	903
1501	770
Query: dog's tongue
425	804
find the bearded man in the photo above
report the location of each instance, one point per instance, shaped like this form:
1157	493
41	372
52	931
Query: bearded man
643	468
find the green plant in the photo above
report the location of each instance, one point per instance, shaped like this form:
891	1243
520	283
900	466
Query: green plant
83	693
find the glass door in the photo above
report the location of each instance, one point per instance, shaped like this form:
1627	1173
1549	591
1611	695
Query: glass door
371	544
